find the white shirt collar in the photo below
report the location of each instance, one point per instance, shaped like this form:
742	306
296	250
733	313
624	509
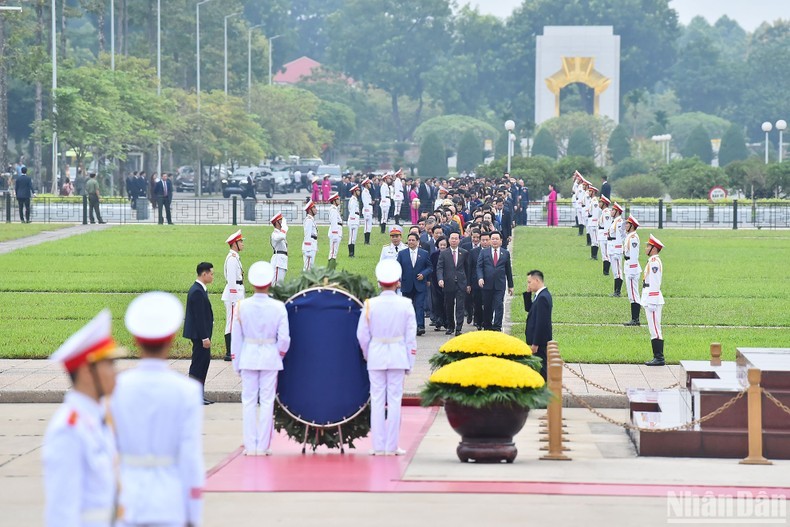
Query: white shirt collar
204	285
539	290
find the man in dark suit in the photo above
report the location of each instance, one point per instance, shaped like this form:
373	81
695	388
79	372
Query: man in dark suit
199	323
425	195
163	190
606	189
494	274
415	270
23	188
452	272
538	316
477	292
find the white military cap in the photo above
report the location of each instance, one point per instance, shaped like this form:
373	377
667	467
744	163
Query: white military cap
92	343
388	272
261	274
153	318
236	236
310	203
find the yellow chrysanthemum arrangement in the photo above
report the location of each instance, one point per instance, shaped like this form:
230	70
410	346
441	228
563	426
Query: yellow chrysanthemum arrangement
482	381
485	343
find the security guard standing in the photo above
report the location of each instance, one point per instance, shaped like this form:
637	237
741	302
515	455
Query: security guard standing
234	286
615	237
353	219
631	268
159	423
335	229
310	242
79	451
260	341
390	251
367	209
387	334
652	299
279	244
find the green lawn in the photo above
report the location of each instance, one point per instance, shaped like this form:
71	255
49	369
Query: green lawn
717	278
13	231
712	278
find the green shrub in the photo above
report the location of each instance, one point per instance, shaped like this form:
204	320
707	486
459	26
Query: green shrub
640	186
470	151
698	145
433	160
619	146
580	144
629	166
545	144
733	146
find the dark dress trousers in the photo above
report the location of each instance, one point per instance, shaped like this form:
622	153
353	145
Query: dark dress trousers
539	323
199	325
164	195
497	280
23	188
412	288
477	293
456	278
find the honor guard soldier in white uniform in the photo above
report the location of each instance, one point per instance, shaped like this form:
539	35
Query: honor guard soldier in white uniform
615	236
279	243
594	214
390	251
652	299
574	190
260	341
386	201
631	268
387	334
310	243
79	452
158	416
397	194
581	192
335	229
353	219
234	286
603	226
367	209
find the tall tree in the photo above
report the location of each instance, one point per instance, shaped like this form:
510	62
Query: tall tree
580	144
619	147
544	144
433	159
385	42
698	145
470	151
733	146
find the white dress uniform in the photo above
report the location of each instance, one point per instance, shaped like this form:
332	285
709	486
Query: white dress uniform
631	266
335	231
353	219
279	259
260	339
397	196
580	203
652	299
604	221
158	415
310	242
390	251
592	220
615	236
386	202
79	465
234	286
387	332
367	209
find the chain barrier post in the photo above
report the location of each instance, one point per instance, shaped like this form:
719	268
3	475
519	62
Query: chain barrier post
550	353
755	416
661	214
85	209
555	406
715	354
235	222
8	206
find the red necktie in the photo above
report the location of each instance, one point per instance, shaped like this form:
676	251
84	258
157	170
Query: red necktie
455	259
496	257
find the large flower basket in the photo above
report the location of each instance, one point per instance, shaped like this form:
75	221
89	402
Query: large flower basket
486	433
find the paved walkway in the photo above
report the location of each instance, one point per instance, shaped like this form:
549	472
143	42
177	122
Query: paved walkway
48	236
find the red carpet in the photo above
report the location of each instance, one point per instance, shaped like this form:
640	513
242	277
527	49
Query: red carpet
288	470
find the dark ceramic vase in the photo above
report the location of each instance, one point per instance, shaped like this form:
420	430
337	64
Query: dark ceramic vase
486	433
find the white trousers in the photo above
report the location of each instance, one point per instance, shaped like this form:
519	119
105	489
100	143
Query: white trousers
385	211
653	314
603	244
229	310
352	234
580	216
398	206
617	264
309	260
127	524
258	424
632	286
334	245
386	391
279	275
593	235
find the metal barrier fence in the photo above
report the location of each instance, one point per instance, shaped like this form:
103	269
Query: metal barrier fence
237	211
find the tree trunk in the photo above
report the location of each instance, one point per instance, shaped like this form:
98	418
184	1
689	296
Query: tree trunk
416	120
100	23
3	100
38	111
63	30
396	116
125	30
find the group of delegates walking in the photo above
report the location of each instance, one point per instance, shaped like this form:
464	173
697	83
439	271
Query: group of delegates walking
616	240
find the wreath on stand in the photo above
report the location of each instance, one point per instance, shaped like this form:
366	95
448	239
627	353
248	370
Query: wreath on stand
357	427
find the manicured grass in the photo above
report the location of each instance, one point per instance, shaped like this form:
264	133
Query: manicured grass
14	231
711	278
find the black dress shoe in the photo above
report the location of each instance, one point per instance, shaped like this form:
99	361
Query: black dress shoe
206	402
469	319
632	323
457	332
228	358
438	327
655	362
449	331
420	331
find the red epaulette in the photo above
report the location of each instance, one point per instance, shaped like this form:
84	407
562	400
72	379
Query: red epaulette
72	420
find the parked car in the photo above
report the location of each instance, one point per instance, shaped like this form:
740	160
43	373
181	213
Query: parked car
335	174
236	185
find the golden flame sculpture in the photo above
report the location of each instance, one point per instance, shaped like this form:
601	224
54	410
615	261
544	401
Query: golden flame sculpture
577	69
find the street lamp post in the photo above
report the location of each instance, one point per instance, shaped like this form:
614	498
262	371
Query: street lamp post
664	140
54	103
509	126
226	50
112	35
158	75
249	64
270	57
767	127
781	125
199	177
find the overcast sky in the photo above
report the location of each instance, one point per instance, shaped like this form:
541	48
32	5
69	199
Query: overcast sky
748	13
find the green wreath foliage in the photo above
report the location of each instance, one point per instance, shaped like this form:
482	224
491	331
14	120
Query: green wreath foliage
359	287
438	360
477	397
